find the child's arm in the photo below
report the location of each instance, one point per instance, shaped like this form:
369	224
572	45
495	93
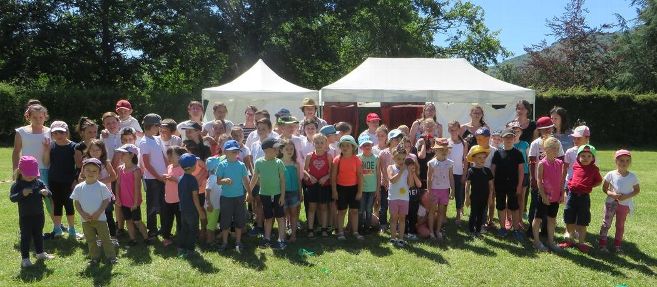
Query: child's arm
378	179
422	151
327	177
248	188
491	187
101	209
521	177
306	168
137	175
117	195
208	202
46	151
146	158
111	172
532	171
300	184
334	181
609	190
395	177
16	194
16	153
281	176
248	161
635	190
452	189
81	211
78	158
254	180
467	193
539	183
359	174
429	176
197	204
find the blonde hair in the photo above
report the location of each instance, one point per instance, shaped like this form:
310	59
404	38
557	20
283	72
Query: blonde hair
551	142
319	136
36	108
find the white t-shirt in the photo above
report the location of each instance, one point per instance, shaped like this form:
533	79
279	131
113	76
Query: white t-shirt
131	122
207	127
440	176
153	147
308	147
32	144
91	196
112	142
244	152
173	141
536	149
622	185
570	158
253	137
399	189
456	155
215	196
256	150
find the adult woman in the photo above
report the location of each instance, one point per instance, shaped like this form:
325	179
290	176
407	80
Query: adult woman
523	110
417	129
476	121
195	111
309	109
559	117
249	123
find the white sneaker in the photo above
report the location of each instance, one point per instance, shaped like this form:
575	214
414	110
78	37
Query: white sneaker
26	263
44	256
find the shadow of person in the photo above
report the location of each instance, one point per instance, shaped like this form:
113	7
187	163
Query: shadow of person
423	253
35	273
138	254
198	262
248	257
101	274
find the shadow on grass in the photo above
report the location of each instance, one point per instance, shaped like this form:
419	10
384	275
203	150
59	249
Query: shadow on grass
139	254
101	274
249	257
61	247
423	253
35	273
198	262
518	249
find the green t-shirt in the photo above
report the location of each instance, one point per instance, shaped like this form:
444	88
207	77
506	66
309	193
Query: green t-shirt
269	172
369	172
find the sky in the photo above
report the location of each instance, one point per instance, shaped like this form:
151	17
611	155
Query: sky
522	22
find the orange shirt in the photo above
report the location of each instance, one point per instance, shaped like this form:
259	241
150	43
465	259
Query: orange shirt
347	170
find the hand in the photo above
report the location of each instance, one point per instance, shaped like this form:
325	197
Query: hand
420	142
44	192
376	196
227	181
133	208
281	200
545	200
248	198
46	144
359	195
104	133
117	203
202	215
26	191
323	180
519	190
335	195
161	178
209	208
167	177
451	195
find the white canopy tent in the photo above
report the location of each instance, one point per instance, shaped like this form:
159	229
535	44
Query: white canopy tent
454	85
258	86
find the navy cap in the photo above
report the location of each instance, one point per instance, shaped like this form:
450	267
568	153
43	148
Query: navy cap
187	160
483	131
190	125
283	113
270	143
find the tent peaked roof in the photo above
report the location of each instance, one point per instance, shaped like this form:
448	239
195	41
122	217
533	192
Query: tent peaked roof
259	78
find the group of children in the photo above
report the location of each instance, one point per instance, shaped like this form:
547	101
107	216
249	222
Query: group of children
216	176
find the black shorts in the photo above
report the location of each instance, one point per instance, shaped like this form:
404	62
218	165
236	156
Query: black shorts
347	197
256	191
550	210
506	198
578	209
128	214
317	193
61	197
271	206
232	212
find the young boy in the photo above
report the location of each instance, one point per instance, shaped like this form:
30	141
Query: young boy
479	188
269	173
190	206
111	136
507	166
577	214
371	179
581	136
124	110
167	134
154	168
482	135
343	129
91	197
233	178
372	121
195	112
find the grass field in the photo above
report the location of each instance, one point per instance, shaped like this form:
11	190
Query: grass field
459	261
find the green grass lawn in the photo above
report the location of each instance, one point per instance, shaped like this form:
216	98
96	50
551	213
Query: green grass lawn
459	261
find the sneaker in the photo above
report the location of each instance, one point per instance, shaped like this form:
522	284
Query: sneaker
341	237
72	233
518	235
238	247
583	247
525	216
567	244
439	236
26	263
618	249
182	253
411	236
540	247
253	232
49	235
223	247
115	242
99	242
401	243
393	241
57	232
359	237
113	261
44	256
502	232
93	262
280	245
264	243
554	247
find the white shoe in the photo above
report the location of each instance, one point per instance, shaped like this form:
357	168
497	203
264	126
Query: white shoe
26	263
44	256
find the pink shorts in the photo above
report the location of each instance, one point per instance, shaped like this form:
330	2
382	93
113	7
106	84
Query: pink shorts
439	196
423	230
398	206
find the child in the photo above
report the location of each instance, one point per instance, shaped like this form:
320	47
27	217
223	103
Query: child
200	150
171	208
621	186
371	179
96	149
124	110
91	199
154	167
167	134
372	122
317	175
310	129
478	187
269	174
440	181
404	129
382	139
347	185
128	191
577	214
61	159
213	198
398	175
332	137
195	112
385	160
111	136
190	206
549	177
28	191
343	129
219	111
496	139
88	130
233	178
457	154
245	153
128	136
508	170
482	137
293	197
523	147
263	132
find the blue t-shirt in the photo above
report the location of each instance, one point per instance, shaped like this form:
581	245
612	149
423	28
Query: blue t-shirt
522	146
236	171
291	178
186	186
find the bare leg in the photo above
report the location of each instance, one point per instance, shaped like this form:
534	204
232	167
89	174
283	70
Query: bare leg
340	221
353	218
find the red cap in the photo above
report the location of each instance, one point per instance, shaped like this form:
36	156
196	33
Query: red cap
123	104
544	123
372	117
622	152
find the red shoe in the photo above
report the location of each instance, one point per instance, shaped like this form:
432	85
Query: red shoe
566	244
583	248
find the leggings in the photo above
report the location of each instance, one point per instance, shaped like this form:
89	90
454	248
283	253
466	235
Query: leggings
414	196
478	206
111	223
61	197
31	227
383	208
620	211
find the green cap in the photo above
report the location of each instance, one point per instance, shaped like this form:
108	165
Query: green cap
587	147
348	139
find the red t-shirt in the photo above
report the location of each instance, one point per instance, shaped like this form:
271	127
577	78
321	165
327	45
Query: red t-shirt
347	170
318	166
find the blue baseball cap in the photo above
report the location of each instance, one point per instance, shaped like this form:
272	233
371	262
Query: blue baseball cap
283	113
328	130
364	139
483	131
394	134
187	160
212	163
231	145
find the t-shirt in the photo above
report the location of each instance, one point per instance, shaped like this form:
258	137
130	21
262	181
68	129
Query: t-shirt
456	155
622	185
236	171
127	187
440	177
171	187
208	127
62	163
112	142
269	172
308	147
186	187
506	167
347	170
552	172
91	197
173	141
31	204
318	167
130	122
215	195
369	172
489	159
32	144
570	158
244	152
291	178
479	178
153	147
536	149
385	160
528	132
522	146
253	137
399	189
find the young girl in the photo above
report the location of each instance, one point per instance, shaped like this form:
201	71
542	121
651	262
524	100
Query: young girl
382	140
317	172
128	136
96	149
457	155
347	185
171	210
523	147
128	192
398	175
213	197
28	191
245	153
621	186
385	160
479	188
550	178
293	197
440	181
88	130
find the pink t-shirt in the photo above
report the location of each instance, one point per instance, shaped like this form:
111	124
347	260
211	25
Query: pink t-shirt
347	170
385	160
171	187
127	185
552	172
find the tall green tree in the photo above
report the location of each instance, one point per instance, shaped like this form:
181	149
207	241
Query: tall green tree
638	50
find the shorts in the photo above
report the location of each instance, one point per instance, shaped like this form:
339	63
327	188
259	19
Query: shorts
129	214
347	197
506	198
291	199
439	196
233	210
271	207
398	206
550	210
213	219
578	209
256	191
317	193
61	198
